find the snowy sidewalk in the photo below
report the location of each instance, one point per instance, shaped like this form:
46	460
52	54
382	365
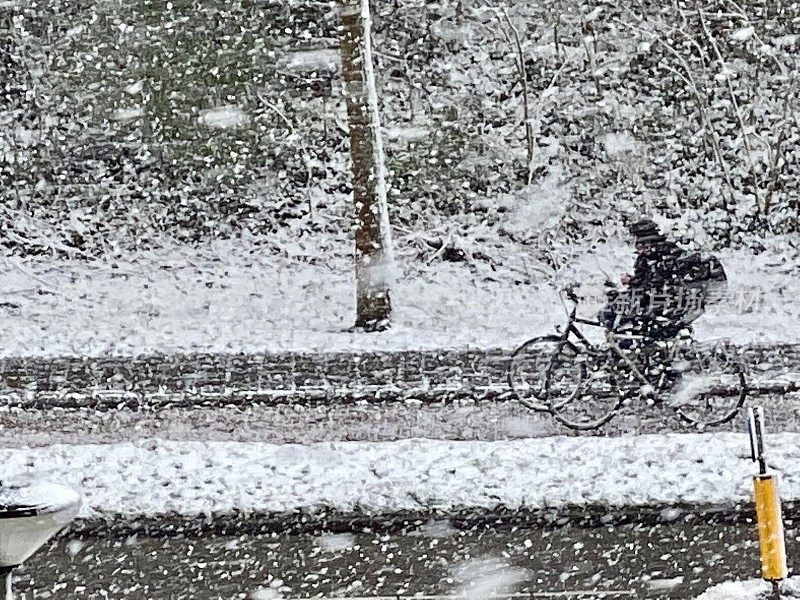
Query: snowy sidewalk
237	296
156	478
329	379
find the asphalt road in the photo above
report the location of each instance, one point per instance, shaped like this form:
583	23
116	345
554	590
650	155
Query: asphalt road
673	561
289	423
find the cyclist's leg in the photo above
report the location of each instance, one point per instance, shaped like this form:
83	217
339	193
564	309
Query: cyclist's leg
652	352
608	317
667	336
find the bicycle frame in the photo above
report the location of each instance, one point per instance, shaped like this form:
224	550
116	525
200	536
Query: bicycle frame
570	342
610	337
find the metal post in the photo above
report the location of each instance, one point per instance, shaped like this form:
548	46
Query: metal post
755	427
768	507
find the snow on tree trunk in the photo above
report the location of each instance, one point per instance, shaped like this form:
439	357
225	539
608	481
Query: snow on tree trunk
373	250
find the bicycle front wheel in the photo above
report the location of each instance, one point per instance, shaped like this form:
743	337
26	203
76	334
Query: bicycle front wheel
711	386
597	397
549	358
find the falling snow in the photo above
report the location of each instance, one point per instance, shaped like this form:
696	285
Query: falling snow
180	287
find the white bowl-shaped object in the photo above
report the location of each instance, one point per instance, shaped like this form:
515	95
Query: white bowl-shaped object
30	514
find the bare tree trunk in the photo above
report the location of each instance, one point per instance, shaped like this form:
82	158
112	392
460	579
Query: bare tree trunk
373	250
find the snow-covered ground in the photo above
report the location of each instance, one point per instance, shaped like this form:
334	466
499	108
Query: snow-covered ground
299	295
751	589
156	477
233	300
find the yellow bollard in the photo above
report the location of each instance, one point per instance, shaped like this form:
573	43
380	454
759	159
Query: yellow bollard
770	527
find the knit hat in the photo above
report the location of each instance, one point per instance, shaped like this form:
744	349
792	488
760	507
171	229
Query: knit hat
646	231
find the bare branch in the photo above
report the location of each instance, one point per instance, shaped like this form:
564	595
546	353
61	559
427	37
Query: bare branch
737	110
523	78
699	99
744	17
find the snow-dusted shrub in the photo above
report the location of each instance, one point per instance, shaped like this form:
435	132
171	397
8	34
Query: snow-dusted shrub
120	125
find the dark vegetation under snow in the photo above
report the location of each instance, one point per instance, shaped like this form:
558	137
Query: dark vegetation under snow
123	124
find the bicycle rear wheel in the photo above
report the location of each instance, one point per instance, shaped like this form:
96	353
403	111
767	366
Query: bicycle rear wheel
711	385
597	397
538	360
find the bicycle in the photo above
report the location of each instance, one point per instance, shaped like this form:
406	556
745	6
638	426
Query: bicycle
584	385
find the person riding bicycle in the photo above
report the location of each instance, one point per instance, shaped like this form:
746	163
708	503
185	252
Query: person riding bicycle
645	356
667	290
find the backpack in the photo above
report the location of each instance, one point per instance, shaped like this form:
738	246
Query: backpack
703	276
696	268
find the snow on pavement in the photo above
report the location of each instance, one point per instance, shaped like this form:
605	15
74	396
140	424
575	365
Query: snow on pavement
155	477
750	589
240	297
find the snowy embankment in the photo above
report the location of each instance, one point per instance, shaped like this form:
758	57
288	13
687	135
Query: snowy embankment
155	478
240	297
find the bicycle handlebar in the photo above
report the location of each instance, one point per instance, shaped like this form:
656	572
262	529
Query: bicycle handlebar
569	292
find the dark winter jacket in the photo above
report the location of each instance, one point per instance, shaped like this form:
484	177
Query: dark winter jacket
670	288
659	267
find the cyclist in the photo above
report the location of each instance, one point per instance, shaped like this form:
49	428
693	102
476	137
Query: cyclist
666	291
